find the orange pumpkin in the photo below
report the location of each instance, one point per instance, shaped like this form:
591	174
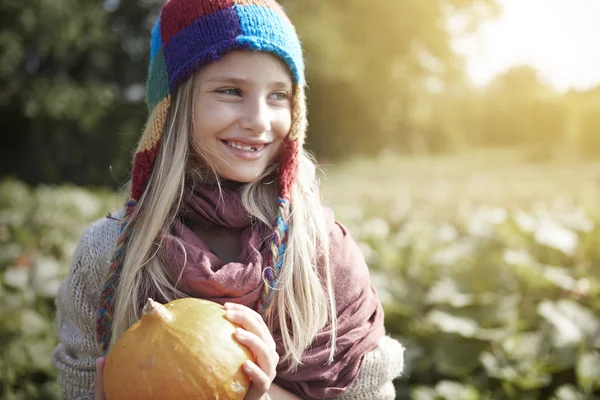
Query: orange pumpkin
184	349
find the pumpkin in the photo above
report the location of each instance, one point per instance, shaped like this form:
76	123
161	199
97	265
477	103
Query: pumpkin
184	349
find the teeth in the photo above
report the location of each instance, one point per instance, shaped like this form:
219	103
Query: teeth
241	146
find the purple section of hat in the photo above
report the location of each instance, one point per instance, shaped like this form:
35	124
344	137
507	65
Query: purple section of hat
206	39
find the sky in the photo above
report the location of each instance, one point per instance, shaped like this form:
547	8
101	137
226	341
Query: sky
559	38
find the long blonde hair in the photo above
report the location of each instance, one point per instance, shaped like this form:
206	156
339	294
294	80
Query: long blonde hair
304	300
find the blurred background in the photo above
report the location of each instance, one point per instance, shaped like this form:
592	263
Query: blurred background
459	141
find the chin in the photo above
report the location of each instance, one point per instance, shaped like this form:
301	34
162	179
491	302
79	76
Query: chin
245	177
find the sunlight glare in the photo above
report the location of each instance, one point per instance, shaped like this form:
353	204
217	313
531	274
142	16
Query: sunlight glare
559	38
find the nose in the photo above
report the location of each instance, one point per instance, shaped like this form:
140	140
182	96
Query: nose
257	116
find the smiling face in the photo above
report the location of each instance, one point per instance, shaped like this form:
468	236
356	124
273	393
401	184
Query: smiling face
242	113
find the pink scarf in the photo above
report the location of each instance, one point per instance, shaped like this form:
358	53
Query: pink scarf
360	316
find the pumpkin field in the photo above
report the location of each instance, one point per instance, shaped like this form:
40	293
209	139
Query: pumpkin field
488	266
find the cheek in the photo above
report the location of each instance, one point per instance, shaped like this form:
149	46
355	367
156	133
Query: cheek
201	133
277	149
209	120
283	123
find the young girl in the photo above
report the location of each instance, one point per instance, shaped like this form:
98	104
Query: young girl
224	205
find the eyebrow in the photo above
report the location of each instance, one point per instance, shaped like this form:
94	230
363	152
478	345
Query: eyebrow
240	82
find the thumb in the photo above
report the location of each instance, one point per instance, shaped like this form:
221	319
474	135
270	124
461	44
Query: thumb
99	382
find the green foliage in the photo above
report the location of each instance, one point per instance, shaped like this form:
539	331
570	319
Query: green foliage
72	77
495	304
39	230
368	68
71	88
382	75
490	303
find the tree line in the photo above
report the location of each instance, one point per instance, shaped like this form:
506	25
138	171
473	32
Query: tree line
382	75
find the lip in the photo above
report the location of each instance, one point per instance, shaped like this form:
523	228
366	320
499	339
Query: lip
243	154
246	141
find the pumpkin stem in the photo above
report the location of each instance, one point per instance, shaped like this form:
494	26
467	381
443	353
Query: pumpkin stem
156	310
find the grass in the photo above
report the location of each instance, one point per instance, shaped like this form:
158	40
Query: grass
440	186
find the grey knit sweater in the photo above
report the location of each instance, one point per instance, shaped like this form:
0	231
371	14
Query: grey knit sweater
77	302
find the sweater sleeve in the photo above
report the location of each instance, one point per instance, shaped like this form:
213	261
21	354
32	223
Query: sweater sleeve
379	368
76	310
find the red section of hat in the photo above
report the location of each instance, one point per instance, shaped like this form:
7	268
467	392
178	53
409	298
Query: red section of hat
289	167
179	14
142	165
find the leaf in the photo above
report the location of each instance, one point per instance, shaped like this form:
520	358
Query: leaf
453	253
484	220
496	368
455	356
423	393
33	323
519	258
446	291
562	358
40	353
17	278
551	234
526	375
375	229
450	390
588	371
525	346
532	376
572	321
525	222
16	355
448	323
496	312
560	277
568	392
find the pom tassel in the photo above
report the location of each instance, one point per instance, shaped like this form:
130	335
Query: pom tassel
107	297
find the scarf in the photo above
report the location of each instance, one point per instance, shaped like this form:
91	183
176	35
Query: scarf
204	275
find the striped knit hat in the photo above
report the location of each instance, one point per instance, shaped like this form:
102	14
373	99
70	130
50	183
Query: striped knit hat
187	35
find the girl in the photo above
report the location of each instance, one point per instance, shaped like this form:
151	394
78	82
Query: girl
224	205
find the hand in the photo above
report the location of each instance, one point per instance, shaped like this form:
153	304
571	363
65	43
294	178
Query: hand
253	332
99	382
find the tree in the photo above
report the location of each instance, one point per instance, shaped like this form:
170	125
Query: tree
521	109
70	78
370	64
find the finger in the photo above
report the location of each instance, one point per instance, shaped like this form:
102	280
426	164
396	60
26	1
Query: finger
247	321
266	358
99	381
253	313
260	380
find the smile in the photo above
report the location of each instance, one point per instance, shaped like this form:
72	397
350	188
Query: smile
243	146
245	151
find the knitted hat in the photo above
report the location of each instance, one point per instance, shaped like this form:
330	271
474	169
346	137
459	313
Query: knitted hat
187	35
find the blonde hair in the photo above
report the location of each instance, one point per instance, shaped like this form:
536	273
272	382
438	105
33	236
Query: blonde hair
303	302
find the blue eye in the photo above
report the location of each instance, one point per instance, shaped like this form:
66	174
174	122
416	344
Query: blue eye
230	91
280	96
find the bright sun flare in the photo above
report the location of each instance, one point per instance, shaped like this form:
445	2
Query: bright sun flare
559	38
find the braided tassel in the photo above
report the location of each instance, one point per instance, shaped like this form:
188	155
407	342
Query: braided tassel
277	255
107	298
288	173
289	167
